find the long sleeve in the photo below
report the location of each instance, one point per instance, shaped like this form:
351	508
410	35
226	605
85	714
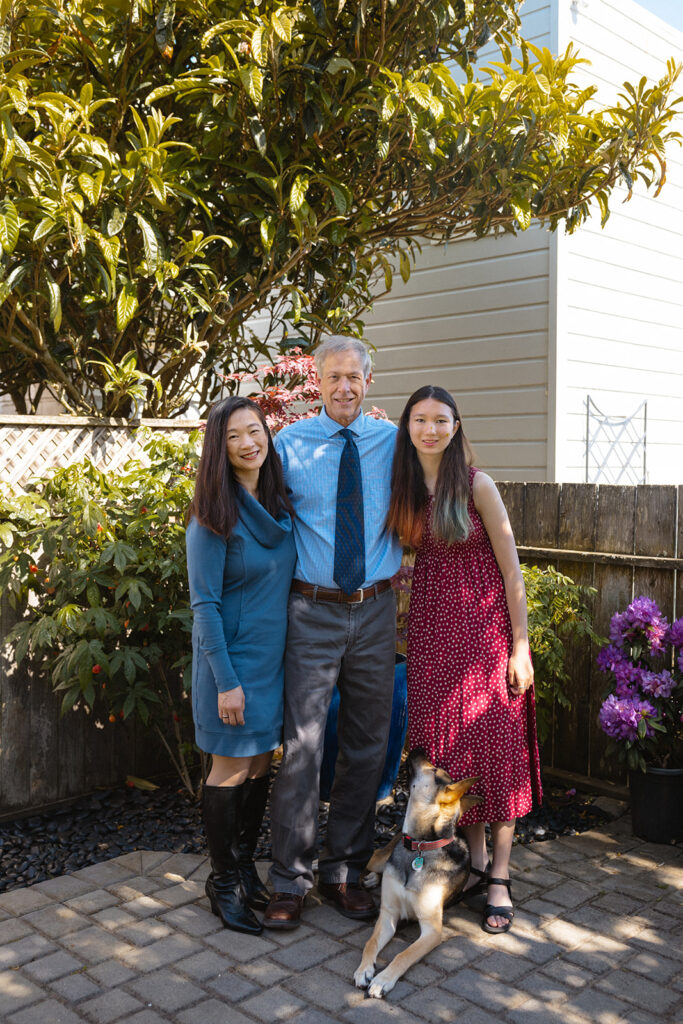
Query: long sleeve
205	567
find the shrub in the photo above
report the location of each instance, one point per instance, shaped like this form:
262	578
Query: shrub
95	563
558	614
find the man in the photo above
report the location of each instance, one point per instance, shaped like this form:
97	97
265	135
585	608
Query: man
342	619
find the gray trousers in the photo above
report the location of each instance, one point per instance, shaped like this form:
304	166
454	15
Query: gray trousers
352	645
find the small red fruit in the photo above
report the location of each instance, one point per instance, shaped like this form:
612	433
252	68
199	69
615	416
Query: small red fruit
112	718
99	527
33	568
120	714
143	509
96	669
130	784
176	716
143	629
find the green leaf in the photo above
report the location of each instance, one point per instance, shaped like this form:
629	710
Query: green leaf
298	192
150	244
257	44
126	306
55	297
134	595
404	263
116	221
44	227
267	229
420	92
339	64
252	80
522	211
92	594
282	25
6	534
9	225
342	195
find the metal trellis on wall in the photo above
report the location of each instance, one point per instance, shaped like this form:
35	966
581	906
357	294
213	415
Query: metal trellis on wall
616	446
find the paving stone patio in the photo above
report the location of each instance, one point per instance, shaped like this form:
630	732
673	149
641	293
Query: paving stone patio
597	937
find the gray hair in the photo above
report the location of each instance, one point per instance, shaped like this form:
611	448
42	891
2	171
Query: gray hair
335	343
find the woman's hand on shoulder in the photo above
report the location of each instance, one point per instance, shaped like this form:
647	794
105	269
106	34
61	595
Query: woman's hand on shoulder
231	706
520	671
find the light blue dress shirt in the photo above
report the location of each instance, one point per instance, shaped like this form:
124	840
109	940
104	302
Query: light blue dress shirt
311	452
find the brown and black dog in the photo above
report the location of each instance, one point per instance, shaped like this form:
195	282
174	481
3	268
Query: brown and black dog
423	868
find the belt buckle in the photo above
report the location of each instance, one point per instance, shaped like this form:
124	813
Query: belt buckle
362	595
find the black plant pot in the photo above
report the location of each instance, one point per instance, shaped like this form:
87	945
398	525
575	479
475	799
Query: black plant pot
657	804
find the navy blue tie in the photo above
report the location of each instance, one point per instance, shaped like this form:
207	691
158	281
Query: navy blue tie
349	534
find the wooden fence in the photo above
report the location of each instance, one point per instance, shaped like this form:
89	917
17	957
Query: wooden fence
622	540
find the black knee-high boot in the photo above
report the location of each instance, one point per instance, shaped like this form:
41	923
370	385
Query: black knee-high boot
253	806
222	813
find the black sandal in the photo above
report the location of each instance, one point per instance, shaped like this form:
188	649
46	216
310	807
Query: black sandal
490	911
475	896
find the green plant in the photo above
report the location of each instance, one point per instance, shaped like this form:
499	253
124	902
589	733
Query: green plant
95	563
172	167
558	612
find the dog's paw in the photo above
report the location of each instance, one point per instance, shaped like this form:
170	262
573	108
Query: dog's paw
381	985
364	976
371	880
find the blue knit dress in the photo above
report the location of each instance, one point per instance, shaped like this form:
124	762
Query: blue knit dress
238	592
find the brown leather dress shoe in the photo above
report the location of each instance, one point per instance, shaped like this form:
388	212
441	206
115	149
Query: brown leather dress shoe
283	911
350	899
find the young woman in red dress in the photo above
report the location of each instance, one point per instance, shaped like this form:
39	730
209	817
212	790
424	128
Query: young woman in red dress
470	677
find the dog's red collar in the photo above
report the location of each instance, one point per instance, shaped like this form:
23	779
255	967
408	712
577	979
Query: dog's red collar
421	845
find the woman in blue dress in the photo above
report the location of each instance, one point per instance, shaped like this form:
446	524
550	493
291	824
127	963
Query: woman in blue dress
240	561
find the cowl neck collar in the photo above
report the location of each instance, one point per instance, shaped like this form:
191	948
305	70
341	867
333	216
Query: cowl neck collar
267	531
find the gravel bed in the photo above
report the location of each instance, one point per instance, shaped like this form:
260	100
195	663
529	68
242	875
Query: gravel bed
116	821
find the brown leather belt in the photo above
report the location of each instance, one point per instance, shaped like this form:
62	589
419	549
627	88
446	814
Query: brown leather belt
338	596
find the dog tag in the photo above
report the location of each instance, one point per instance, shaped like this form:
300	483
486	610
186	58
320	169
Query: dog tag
418	862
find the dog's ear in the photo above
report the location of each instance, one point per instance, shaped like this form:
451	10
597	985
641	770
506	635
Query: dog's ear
456	790
470	800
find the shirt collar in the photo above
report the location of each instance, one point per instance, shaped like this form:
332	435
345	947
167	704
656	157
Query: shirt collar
331	427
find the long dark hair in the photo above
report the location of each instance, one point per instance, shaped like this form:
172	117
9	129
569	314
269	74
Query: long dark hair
215	496
450	518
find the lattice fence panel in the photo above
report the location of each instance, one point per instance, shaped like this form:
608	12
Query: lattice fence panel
32	445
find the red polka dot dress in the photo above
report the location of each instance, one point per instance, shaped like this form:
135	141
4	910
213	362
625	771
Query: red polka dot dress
460	710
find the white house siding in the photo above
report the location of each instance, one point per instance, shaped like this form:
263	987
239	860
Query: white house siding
619	295
474	318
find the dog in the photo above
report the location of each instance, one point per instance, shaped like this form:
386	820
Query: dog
423	868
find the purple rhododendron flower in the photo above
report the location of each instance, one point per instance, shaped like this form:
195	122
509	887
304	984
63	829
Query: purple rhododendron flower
618	625
642	619
608	658
628	677
619	718
676	633
658	684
